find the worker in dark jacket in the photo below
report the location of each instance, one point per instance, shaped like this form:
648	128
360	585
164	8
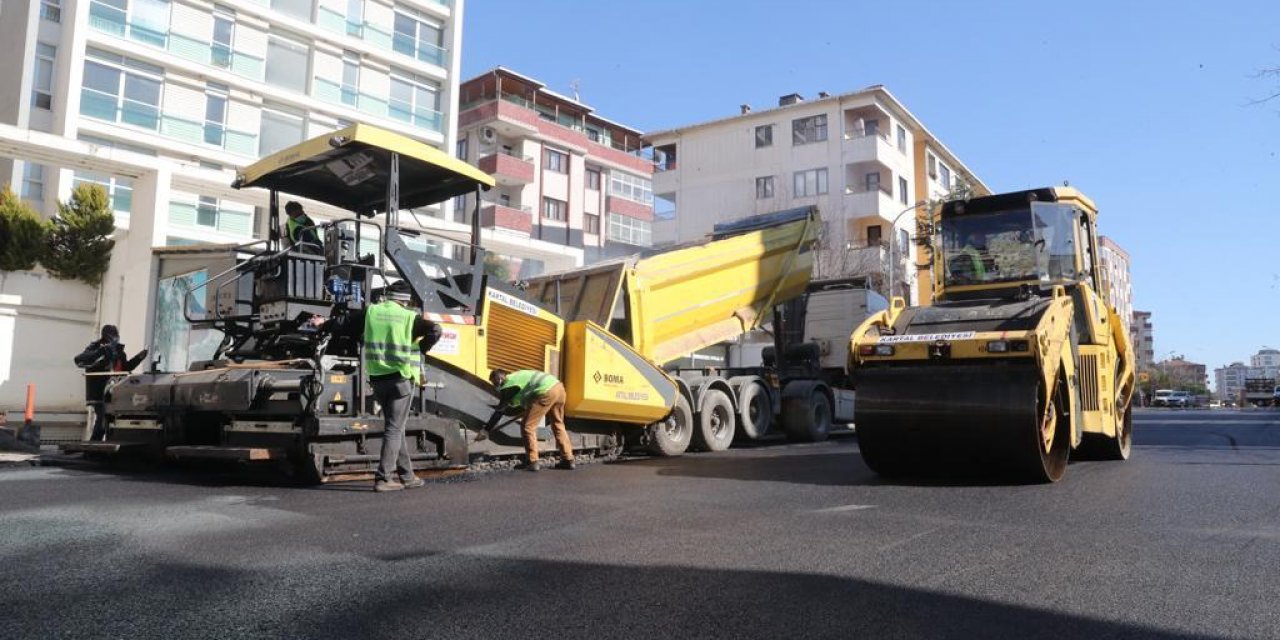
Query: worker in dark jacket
105	354
534	394
395	338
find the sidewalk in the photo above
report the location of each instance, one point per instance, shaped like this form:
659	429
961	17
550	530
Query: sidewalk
9	459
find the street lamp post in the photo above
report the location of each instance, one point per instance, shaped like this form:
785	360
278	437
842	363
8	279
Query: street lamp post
893	239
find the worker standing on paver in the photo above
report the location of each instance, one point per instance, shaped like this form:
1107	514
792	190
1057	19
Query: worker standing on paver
535	394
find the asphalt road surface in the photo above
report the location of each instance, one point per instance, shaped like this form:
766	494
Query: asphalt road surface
779	541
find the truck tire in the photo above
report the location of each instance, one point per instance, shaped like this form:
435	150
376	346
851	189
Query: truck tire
716	422
670	436
807	418
755	411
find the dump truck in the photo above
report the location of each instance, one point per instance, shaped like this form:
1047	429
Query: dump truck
275	389
750	272
1258	392
1018	363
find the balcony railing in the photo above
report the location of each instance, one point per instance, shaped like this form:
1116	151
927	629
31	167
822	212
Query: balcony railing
109	19
883	188
513	154
408	45
568	122
496	215
420	117
104	106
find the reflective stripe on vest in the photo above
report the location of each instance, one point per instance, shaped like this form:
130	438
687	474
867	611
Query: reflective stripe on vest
531	384
293	225
388	341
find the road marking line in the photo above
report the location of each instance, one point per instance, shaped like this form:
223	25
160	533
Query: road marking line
847	507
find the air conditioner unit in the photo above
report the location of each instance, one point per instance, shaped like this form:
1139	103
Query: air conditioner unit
488	135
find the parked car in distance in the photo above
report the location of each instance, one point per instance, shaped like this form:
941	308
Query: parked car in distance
1171	398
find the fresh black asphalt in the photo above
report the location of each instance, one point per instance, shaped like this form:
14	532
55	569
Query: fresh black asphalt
794	541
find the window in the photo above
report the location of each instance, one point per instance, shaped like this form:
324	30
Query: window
946	176
631	187
557	161
280	128
415	100
350	90
630	230
120	89
593	134
870	127
355	18
764	136
871	181
51	10
207	212
931	164
593	179
42	88
224	27
286	64
764	187
462	149
149	21
300	9
873	235
807	130
119	190
902	190
591	223
215	113
902	139
810	183
417	37
33	182
553	209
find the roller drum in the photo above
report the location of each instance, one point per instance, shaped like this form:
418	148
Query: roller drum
926	419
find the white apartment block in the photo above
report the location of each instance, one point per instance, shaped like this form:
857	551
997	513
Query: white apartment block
1265	357
1115	270
1229	380
1142	337
861	157
161	101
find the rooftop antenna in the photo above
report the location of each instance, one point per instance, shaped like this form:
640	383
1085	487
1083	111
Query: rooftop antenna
575	84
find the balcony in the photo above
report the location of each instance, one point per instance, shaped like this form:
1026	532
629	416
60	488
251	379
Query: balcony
508	168
629	208
110	20
876	147
525	119
499	216
106	107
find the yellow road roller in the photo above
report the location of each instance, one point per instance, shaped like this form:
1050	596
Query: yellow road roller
1020	362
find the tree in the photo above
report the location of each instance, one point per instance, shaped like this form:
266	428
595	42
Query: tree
22	233
79	241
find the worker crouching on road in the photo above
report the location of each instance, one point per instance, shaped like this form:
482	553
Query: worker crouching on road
535	394
395	339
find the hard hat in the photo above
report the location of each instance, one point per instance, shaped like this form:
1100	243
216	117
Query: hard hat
398	291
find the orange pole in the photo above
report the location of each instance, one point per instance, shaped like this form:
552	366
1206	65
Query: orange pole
31	404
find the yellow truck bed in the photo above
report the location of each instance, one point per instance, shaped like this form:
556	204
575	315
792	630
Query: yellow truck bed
672	303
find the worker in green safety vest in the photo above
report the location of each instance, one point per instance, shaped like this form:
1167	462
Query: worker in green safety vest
395	338
535	395
301	230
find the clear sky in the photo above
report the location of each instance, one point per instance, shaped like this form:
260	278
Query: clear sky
1143	105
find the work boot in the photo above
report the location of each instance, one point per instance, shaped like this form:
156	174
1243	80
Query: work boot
528	466
382	486
412	482
566	465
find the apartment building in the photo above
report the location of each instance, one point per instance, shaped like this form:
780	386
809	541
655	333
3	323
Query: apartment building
1142	337
1114	261
861	157
1229	380
568	179
161	101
